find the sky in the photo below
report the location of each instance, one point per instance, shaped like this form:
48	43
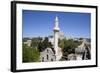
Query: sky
41	23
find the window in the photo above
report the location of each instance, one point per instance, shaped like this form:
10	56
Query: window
51	59
47	57
42	59
47	51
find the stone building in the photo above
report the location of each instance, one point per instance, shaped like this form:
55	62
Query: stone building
81	52
47	55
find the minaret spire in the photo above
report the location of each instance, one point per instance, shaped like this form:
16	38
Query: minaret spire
56	23
56	36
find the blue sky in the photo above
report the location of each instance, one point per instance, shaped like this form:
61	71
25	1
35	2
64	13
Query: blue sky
41	23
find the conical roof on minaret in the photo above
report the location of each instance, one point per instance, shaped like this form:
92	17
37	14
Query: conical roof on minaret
56	27
56	18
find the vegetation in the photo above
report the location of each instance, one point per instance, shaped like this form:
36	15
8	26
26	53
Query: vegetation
25	39
30	54
35	42
68	46
44	44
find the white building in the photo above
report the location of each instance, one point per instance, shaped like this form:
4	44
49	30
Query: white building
28	42
51	39
61	36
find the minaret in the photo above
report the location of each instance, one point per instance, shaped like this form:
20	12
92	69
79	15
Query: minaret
56	36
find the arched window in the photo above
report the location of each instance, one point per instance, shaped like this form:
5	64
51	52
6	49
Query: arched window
42	59
47	51
47	57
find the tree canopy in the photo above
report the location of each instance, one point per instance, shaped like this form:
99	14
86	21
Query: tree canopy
30	54
68	45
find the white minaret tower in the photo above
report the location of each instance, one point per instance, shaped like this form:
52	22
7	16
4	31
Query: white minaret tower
56	36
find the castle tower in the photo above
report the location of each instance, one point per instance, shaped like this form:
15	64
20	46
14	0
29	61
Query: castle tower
56	36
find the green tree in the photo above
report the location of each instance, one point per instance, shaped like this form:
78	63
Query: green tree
70	46
30	54
35	42
80	38
61	43
44	44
